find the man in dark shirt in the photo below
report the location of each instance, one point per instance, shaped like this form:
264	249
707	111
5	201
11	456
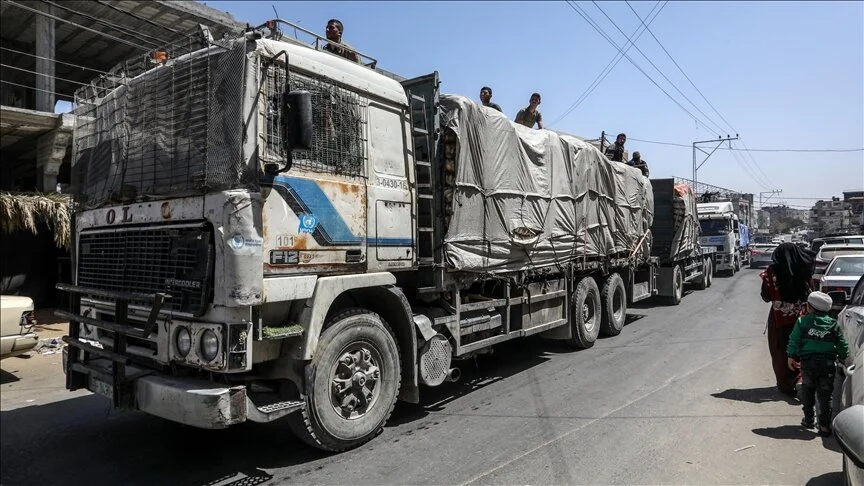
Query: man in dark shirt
336	46
638	163
486	98
615	152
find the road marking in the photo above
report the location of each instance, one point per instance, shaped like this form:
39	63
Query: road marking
611	412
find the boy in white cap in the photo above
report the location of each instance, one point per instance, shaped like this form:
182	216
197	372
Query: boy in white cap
816	342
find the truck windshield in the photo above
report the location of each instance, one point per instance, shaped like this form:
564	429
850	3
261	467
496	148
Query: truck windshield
714	227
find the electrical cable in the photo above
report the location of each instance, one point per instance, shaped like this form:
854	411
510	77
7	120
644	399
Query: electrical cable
690	146
122	30
54	60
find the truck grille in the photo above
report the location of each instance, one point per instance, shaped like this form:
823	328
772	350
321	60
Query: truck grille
174	260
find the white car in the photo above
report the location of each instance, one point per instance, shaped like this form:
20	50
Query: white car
16	325
761	254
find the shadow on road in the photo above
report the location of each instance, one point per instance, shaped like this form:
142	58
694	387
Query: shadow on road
828	479
787	432
133	448
755	395
6	377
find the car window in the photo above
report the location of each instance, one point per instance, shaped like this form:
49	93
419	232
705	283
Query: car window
829	253
855	241
847	267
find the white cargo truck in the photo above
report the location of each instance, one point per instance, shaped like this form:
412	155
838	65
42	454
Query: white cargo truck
265	230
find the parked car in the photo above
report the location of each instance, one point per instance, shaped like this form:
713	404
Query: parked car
760	254
849	423
827	253
840	278
16	325
818	243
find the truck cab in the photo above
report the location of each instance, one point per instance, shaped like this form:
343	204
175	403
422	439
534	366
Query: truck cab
721	229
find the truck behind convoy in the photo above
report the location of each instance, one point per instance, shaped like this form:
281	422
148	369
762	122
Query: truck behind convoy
721	229
675	231
274	231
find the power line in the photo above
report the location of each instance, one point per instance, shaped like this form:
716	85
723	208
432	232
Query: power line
42	74
55	60
710	120
755	163
600	31
121	30
143	19
610	66
31	87
61	19
689	146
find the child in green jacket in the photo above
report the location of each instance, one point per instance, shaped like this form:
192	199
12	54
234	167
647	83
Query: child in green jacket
816	342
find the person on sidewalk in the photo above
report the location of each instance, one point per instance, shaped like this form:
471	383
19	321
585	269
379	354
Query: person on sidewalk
786	285
530	115
815	344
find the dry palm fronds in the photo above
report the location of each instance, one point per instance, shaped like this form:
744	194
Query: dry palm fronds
25	211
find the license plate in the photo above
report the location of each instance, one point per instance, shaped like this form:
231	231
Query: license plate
101	387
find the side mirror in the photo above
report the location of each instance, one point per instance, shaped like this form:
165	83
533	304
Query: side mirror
298	129
849	430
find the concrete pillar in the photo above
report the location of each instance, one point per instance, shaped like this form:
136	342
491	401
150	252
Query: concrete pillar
50	150
45	44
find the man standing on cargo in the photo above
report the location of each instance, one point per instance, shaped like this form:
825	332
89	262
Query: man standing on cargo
615	152
530	115
486	98
334	35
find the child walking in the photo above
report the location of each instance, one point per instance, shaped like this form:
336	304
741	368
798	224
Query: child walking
816	342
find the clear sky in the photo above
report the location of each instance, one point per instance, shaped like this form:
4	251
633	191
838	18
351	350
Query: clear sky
785	75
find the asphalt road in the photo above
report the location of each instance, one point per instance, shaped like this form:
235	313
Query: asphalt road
683	396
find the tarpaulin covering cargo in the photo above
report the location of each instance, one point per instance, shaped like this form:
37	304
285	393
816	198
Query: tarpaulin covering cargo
675	230
518	198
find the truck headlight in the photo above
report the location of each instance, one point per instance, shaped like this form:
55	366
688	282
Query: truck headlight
183	341
209	345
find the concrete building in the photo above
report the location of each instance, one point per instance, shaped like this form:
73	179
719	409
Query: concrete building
831	216
50	50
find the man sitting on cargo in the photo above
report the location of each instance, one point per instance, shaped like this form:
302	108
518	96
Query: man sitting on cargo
615	152
638	163
334	35
530	115
486	98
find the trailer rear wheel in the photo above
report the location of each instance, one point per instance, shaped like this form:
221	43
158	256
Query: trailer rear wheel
613	298
355	377
677	286
585	314
702	283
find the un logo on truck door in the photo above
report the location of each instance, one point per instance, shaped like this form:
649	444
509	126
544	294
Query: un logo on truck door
308	223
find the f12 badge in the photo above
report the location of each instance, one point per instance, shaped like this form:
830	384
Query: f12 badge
308	223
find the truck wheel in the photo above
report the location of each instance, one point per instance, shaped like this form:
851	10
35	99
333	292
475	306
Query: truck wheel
585	314
353	378
702	283
613	299
677	286
709	264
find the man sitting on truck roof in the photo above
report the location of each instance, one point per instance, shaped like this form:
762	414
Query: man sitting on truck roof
486	98
615	152
638	163
334	35
530	115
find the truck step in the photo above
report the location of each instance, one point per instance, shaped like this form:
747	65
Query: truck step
268	333
272	411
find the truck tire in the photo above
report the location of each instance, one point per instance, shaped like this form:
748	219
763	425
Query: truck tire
702	282
709	263
677	286
585	314
613	299
352	382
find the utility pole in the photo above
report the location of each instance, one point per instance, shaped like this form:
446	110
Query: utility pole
719	141
771	194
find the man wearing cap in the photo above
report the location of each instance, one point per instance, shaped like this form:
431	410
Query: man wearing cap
336	46
638	163
816	342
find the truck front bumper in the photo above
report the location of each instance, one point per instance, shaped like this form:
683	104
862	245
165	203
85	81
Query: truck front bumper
724	261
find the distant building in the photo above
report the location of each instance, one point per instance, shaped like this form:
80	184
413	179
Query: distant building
834	216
